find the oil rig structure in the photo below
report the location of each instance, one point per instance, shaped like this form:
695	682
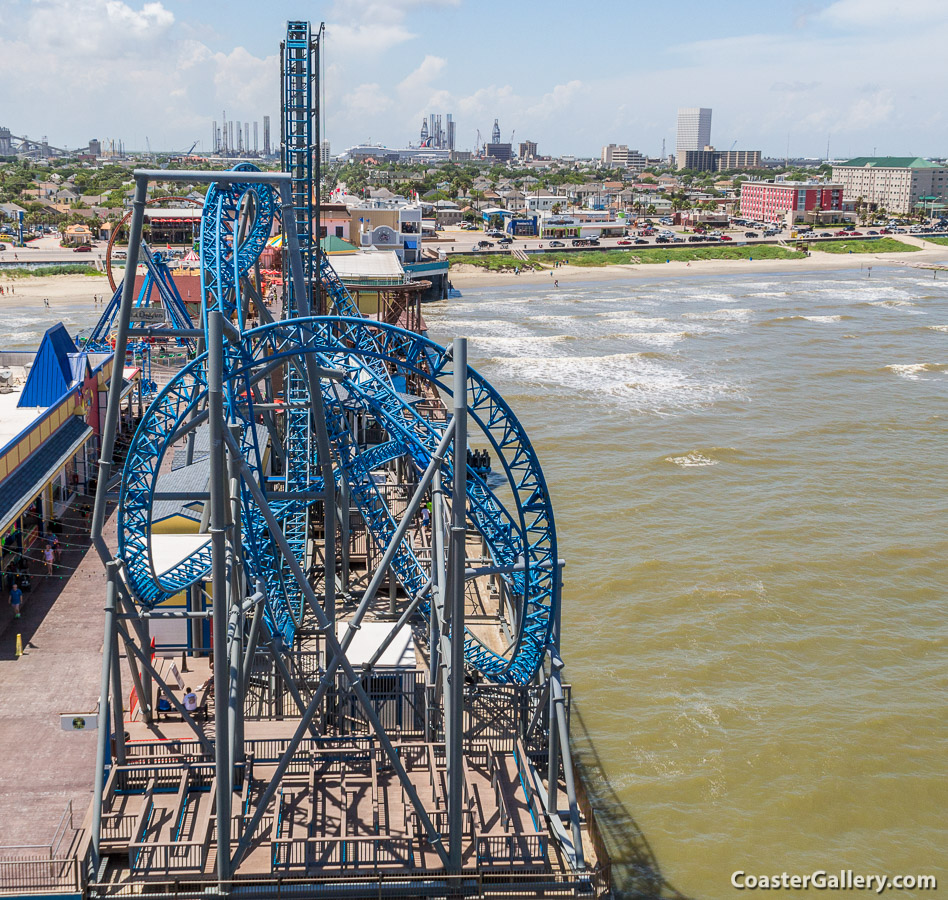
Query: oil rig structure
360	573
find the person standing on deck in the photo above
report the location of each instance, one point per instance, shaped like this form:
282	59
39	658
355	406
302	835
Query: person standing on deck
16	598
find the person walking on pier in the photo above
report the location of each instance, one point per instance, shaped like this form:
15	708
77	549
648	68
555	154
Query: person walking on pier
48	557
16	598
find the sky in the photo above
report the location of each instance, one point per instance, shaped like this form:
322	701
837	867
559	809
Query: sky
864	76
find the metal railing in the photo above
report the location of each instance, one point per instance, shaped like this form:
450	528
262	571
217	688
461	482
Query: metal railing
483	886
39	876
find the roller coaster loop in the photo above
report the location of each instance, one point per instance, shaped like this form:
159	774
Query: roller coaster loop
519	533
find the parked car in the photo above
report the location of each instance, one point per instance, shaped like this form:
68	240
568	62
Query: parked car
593	242
872	232
677	240
483	244
696	239
725	237
625	242
641	241
505	240
557	244
825	234
83	248
663	240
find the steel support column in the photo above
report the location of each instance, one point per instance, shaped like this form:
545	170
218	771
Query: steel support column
218	489
454	694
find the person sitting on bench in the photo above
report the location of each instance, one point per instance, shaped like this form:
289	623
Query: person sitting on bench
190	700
164	704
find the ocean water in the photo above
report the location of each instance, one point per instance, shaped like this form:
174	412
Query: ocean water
749	482
749	479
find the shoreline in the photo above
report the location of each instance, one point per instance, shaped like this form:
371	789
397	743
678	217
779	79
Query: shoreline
79	289
463	275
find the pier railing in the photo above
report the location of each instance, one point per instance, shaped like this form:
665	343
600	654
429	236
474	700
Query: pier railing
39	876
482	886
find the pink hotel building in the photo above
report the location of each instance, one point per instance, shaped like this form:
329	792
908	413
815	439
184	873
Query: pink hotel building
768	201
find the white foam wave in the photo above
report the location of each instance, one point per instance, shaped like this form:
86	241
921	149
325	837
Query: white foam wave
653	338
721	315
691	459
822	319
632	380
914	371
942	328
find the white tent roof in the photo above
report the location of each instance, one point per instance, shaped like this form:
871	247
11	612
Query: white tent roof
368	264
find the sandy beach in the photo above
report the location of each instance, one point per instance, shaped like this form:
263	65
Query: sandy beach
32	291
932	254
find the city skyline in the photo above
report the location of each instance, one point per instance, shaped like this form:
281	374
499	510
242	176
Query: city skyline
791	81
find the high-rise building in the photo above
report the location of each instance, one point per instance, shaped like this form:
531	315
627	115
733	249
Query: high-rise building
615	156
230	137
95	148
246	137
449	138
214	136
500	152
495	133
324	153
528	149
897	183
256	145
694	129
710	160
266	135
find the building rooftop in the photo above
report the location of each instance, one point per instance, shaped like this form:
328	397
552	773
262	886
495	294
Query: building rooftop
890	162
368	264
15	419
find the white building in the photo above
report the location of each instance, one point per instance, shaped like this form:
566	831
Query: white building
539	203
694	128
898	184
619	156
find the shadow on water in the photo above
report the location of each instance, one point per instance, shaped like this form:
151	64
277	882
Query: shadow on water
636	874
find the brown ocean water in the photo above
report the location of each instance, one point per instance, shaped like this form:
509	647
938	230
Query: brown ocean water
749	479
750	488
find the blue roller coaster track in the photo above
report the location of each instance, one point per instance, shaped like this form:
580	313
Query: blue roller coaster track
518	531
523	534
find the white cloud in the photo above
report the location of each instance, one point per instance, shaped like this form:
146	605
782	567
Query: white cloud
367	100
883	14
431	67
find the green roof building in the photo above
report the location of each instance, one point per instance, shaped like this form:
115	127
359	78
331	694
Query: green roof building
898	184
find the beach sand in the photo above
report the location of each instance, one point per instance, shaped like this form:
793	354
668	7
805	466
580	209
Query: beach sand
470	276
32	290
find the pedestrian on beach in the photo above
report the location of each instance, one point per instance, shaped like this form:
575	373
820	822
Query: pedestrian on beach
556	283
16	598
48	557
